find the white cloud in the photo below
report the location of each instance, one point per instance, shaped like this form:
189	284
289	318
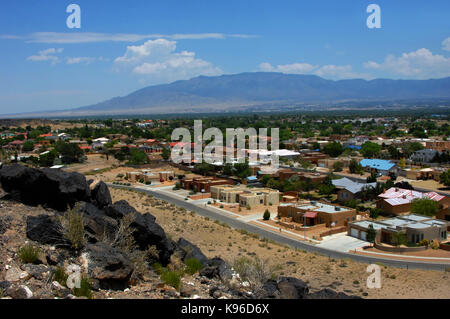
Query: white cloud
84	60
92	37
158	61
420	64
446	44
46	55
327	71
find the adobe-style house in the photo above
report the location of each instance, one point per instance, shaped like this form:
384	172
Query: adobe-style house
314	213
397	201
314	178
245	197
415	227
438	145
203	184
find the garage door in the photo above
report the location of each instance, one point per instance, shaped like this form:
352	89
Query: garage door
354	232
363	235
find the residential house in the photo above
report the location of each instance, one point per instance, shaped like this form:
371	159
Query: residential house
415	227
350	190
314	213
383	167
397	201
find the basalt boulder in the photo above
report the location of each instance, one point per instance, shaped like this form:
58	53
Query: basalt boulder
328	293
146	231
97	224
100	195
217	268
45	229
186	250
283	288
48	187
109	266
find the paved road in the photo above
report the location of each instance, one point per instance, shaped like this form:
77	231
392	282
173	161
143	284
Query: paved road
275	236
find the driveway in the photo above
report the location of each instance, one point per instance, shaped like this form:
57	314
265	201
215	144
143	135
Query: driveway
343	243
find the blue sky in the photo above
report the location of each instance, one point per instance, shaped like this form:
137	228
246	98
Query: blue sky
125	45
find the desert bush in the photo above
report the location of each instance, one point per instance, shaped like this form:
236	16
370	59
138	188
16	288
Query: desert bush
193	265
435	244
266	215
29	254
424	242
73	227
255	271
124	240
85	289
60	276
172	278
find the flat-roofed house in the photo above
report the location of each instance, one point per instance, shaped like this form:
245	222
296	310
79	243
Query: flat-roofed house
315	213
415	227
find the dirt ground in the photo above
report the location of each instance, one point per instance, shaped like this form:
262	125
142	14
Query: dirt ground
217	239
97	166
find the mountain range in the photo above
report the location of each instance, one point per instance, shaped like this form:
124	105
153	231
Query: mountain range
259	90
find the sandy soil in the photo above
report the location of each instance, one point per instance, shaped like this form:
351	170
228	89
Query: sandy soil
216	239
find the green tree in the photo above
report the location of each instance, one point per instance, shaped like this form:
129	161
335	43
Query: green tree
228	169
399	238
424	206
371	234
138	157
370	149
355	167
28	146
338	167
266	215
70	153
333	149
445	178
165	154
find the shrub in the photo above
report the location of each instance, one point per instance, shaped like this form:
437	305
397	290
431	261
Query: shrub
193	265
424	242
85	289
171	278
435	244
29	254
73	227
255	271
266	215
60	276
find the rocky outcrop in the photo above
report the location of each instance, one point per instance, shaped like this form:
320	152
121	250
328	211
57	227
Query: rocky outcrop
96	223
48	187
109	266
283	288
217	268
45	229
186	250
146	231
100	195
328	293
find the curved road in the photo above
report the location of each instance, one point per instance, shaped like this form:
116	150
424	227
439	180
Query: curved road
275	236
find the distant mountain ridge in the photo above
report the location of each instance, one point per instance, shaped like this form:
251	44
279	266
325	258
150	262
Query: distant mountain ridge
255	91
267	87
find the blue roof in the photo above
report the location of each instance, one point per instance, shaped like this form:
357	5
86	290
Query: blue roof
377	164
354	147
252	178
